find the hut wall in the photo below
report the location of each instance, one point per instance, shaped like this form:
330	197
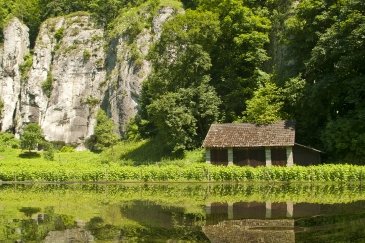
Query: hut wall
249	156
306	156
219	156
278	156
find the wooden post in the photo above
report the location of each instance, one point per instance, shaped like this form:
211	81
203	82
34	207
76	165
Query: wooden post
268	156
230	156
289	156
207	156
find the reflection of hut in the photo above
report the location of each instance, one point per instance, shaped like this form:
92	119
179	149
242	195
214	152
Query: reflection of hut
255	145
251	230
69	235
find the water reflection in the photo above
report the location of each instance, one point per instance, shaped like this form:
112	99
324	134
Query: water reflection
182	212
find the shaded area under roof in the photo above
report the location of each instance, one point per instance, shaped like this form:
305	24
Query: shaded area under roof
240	135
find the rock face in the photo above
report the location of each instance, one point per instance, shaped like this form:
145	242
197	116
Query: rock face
129	68
16	47
70	76
69	56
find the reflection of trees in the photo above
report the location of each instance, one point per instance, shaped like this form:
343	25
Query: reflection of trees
31	229
29	211
101	230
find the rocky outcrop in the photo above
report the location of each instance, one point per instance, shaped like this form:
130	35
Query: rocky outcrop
69	76
128	68
15	48
63	92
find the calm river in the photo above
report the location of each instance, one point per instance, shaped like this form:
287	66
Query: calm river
182	213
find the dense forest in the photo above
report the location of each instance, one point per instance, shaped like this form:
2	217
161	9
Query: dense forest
242	61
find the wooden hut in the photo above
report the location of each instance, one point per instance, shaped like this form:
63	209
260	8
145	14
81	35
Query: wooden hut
257	145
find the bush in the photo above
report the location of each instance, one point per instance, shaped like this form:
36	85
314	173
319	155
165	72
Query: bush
7	140
67	149
25	67
59	34
48	152
47	85
86	55
104	135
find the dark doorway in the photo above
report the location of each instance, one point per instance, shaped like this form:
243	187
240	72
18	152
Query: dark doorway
278	156
249	156
219	156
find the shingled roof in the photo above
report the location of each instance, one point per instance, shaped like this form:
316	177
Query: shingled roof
250	135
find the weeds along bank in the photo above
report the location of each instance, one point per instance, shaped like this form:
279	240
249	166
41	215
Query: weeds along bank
197	172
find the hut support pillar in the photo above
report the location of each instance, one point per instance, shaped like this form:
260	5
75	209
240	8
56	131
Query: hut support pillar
208	208
207	156
289	209
230	210
289	156
268	156
230	156
268	210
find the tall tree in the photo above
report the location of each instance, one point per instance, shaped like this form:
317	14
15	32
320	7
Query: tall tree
240	52
177	98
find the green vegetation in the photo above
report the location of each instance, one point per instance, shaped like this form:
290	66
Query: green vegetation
1	107
31	137
49	151
89	167
47	85
104	134
235	60
7	141
86	55
25	67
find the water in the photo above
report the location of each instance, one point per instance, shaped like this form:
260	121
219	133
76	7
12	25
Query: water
182	213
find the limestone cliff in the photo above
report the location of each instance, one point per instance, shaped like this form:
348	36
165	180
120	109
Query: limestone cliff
128	68
62	92
72	72
15	48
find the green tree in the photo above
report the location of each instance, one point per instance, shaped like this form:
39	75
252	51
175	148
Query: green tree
104	133
31	137
240	53
266	105
177	98
183	117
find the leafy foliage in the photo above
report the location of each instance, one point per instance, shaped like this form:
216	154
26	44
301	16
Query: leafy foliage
47	85
49	150
31	137
104	133
7	140
265	106
178	98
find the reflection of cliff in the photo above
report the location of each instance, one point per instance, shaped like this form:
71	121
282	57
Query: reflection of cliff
252	230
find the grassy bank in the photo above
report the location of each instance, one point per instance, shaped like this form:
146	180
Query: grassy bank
145	162
87	167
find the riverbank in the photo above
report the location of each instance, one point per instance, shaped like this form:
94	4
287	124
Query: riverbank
89	167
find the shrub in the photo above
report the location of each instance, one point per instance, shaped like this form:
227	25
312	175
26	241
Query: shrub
59	34
47	85
104	134
86	55
7	140
67	149
48	152
25	67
